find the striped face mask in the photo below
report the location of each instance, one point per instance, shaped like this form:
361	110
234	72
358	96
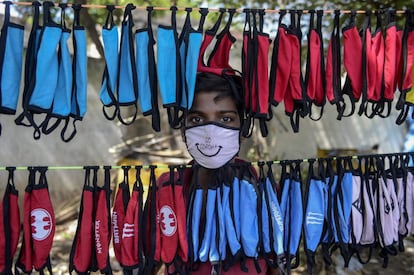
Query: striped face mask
212	145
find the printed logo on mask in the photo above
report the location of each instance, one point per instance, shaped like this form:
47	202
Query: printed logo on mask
168	221
205	147
41	223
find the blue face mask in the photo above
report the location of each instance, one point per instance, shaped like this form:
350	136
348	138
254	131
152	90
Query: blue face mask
47	70
26	117
189	44
292	211
11	59
147	72
230	228
80	76
39	90
248	219
110	75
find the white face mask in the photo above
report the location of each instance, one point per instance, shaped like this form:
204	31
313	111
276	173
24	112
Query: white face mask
212	145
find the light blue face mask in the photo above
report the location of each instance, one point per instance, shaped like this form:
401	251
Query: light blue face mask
71	91
62	97
40	88
315	212
80	76
169	69
230	227
249	236
80	67
11	59
47	70
110	75
194	219
271	214
189	45
119	85
26	117
63	91
218	238
147	72
343	198
127	85
210	228
292	211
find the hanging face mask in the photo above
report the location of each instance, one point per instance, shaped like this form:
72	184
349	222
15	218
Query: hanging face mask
212	145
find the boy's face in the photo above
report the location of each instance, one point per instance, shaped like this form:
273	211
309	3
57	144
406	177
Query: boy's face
210	107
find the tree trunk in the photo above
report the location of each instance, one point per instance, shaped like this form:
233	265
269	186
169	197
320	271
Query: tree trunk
90	27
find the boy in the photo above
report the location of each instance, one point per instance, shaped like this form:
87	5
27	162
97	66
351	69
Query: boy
211	132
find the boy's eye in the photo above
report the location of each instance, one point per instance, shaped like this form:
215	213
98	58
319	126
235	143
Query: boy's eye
195	119
227	119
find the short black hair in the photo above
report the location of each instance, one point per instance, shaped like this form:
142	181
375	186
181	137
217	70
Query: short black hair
228	85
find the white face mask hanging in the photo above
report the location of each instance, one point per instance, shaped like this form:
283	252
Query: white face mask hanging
212	145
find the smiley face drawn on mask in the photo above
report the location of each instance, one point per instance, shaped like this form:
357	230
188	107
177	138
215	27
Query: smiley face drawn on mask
202	147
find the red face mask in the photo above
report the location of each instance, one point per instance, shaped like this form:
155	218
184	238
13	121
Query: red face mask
102	230
151	243
315	71
405	70
353	58
81	253
9	225
38	224
118	214
255	71
132	228
166	210
218	61
333	70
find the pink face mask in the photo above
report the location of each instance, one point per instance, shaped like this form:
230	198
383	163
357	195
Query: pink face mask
212	145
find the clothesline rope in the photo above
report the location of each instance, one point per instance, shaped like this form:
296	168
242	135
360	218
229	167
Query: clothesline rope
238	10
254	163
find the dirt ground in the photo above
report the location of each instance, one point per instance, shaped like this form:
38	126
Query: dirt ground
403	263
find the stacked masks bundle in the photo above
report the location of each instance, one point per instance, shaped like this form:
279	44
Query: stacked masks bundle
38	225
376	62
55	83
360	206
